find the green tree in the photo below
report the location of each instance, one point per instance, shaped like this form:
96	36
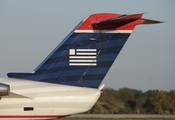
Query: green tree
172	101
126	100
157	102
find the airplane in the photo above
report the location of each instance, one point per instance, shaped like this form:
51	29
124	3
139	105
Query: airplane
68	80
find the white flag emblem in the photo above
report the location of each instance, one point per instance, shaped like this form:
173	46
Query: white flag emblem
82	57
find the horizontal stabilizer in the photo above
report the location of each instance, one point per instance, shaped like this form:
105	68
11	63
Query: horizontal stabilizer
126	18
120	19
148	21
14	95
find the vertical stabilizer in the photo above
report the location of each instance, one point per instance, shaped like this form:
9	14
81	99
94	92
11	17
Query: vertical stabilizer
85	56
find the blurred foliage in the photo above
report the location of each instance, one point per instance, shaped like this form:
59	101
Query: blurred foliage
131	101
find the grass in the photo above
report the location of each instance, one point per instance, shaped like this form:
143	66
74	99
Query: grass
99	118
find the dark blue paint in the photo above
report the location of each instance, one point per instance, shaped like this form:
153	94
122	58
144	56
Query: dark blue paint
55	68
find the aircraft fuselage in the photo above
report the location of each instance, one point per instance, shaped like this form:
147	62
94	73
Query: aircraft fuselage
45	99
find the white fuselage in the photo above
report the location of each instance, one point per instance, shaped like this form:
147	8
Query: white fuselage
46	99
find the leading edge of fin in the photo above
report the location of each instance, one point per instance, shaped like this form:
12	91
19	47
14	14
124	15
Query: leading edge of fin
85	56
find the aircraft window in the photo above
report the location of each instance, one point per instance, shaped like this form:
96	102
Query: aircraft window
28	108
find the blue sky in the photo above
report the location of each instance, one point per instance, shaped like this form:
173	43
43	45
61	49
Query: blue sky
30	30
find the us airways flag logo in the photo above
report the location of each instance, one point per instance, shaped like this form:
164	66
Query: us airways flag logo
82	57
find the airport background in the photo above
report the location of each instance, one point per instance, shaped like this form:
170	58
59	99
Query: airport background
132	101
141	80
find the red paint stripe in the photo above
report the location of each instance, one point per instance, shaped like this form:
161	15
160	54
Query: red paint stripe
37	116
88	22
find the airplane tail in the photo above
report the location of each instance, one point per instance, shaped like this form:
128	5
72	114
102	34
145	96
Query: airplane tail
85	56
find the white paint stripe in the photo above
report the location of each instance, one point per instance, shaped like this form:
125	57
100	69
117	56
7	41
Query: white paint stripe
82	60
82	57
86	53
86	50
103	31
82	64
72	51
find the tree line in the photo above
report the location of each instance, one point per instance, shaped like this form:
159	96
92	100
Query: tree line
131	101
